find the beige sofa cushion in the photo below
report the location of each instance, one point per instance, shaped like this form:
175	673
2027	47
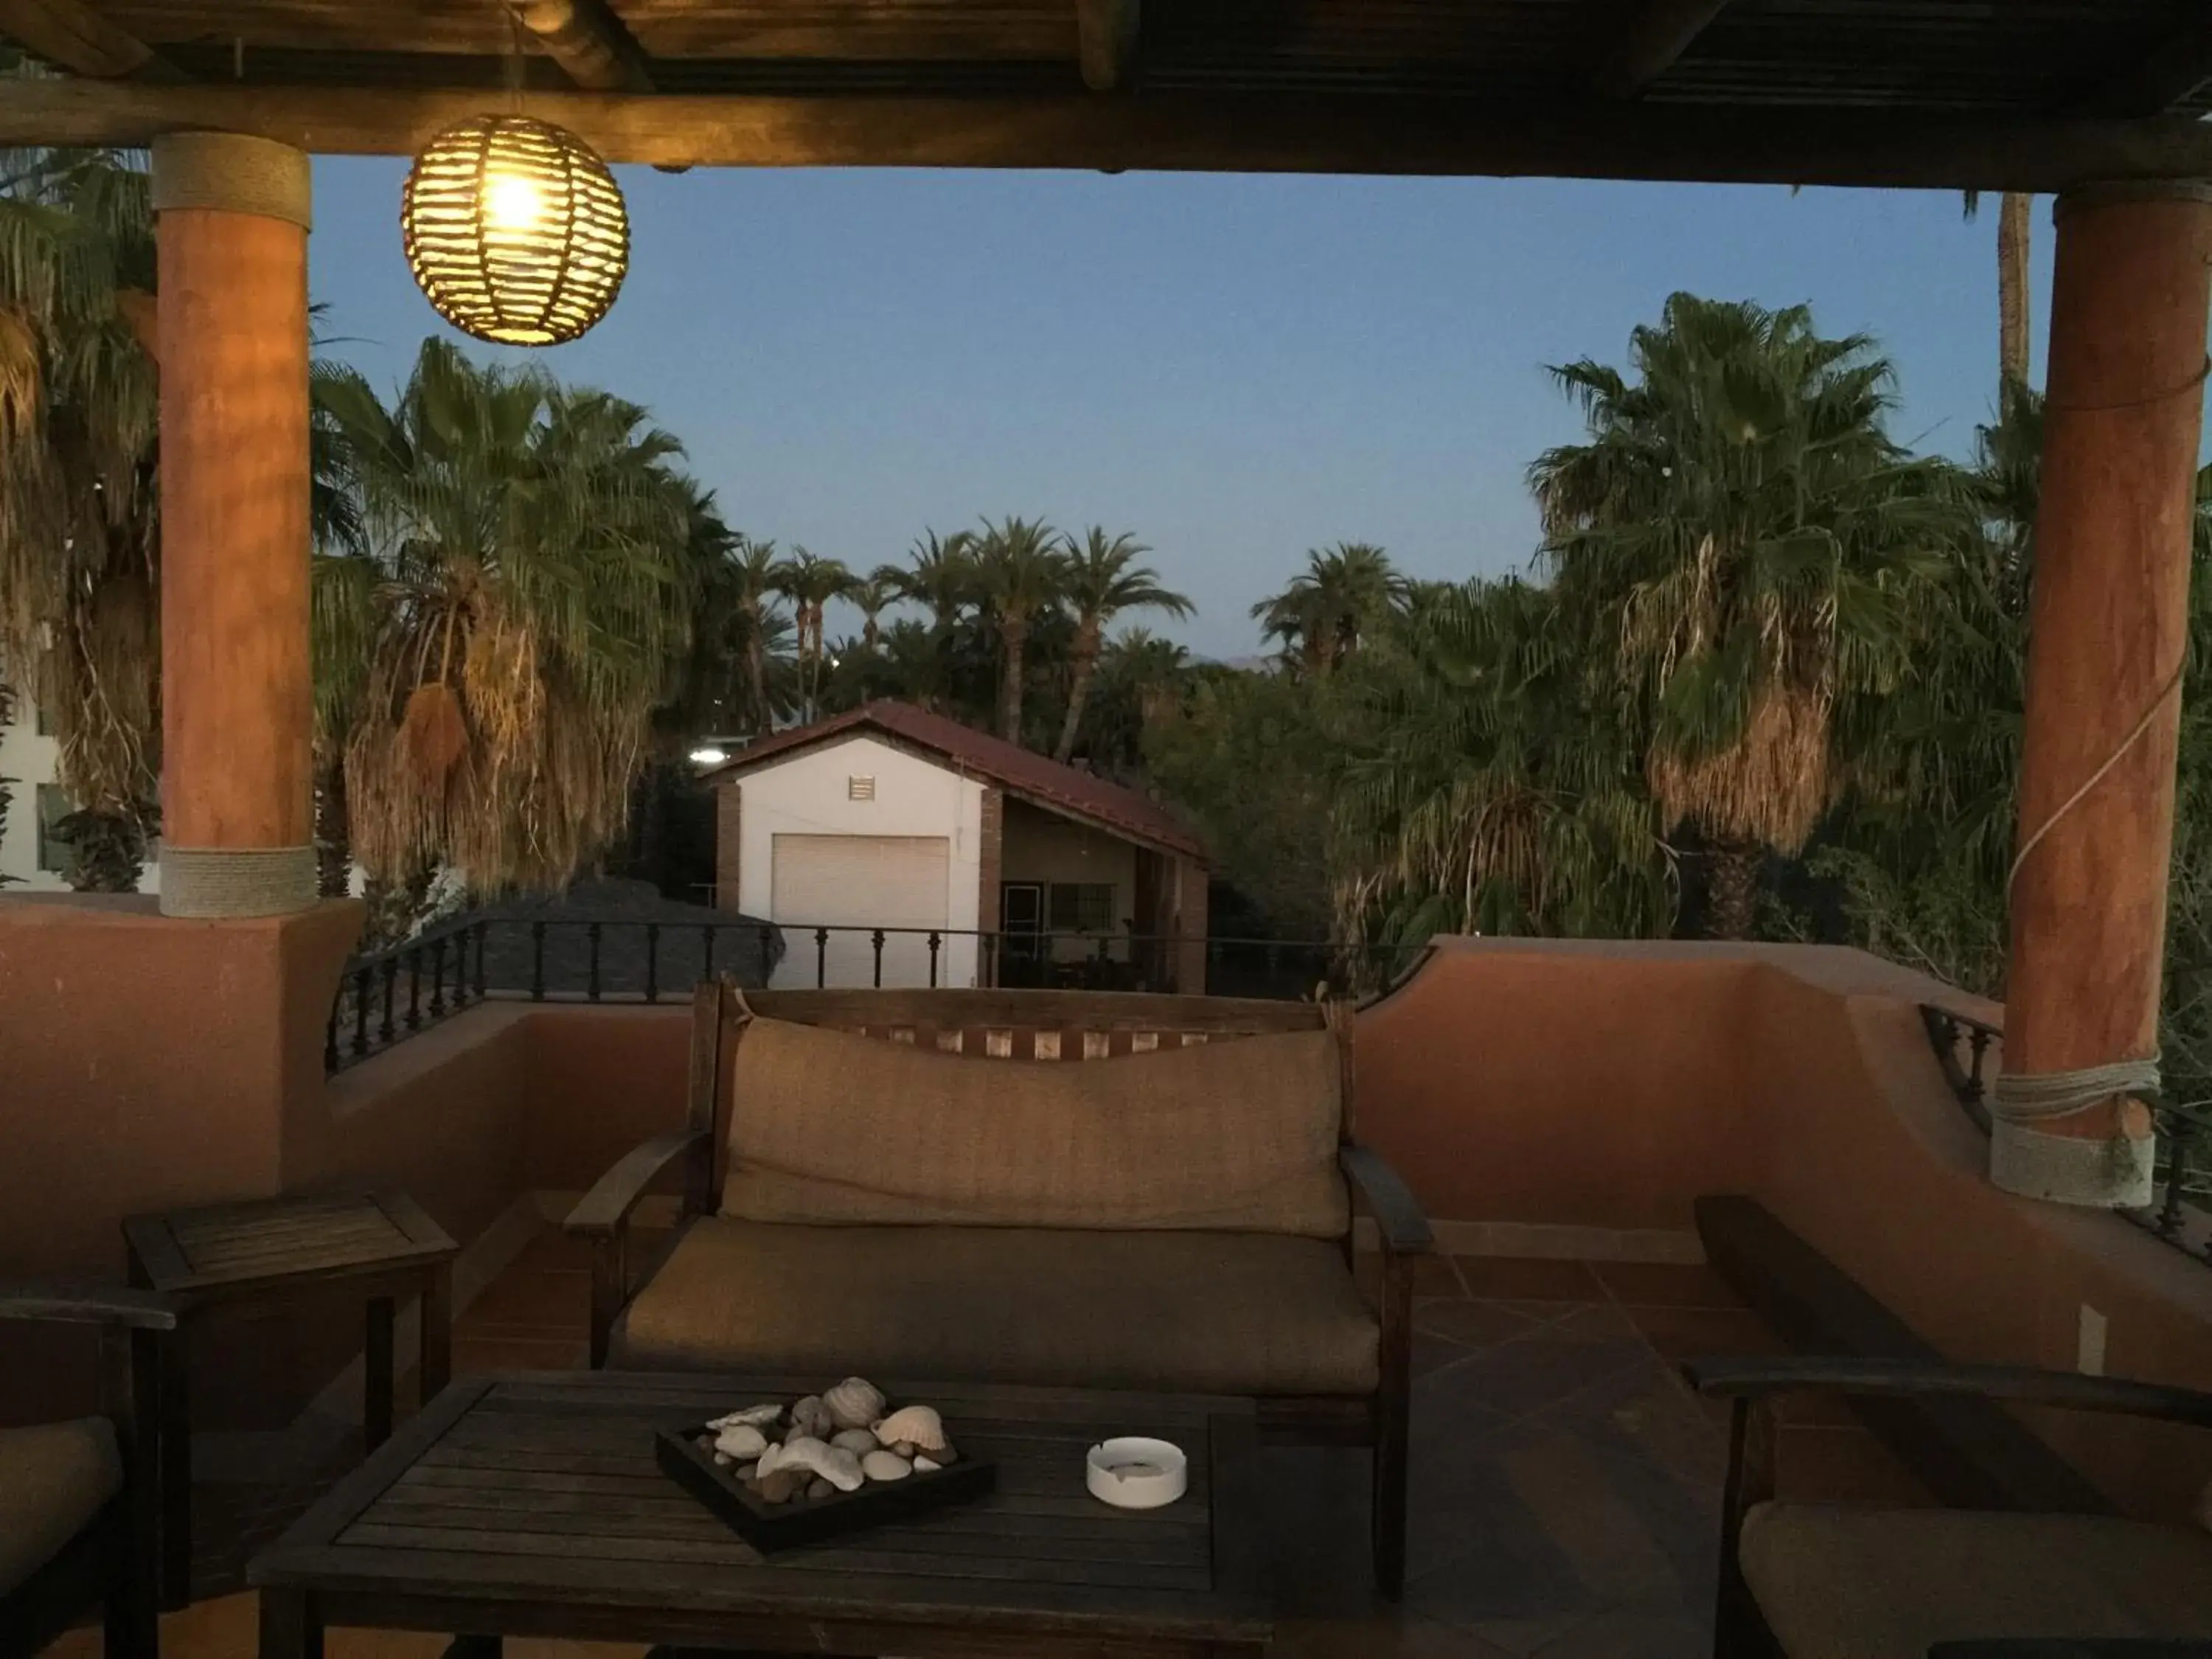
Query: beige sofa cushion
829	1127
54	1479
1860	1582
1228	1312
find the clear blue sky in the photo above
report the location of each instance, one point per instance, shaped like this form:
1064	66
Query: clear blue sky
1235	369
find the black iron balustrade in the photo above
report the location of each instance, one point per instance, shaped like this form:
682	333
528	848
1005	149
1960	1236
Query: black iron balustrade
388	995
369	987
1968	1048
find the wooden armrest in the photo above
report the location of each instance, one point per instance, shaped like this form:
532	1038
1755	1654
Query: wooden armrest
2077	1647
95	1304
606	1209
1397	1214
1899	1377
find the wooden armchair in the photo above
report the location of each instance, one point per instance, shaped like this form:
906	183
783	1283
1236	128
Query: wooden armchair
80	1501
1354	1391
1811	1580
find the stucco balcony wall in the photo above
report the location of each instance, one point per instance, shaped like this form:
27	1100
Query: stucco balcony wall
1544	1097
1589	1092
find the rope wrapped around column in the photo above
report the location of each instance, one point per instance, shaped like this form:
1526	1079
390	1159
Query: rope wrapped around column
2026	1158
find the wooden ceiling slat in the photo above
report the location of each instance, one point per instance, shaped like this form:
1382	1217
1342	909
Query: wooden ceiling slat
1317	133
1657	36
72	35
2170	72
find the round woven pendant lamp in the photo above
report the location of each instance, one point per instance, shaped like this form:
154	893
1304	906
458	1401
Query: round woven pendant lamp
516	230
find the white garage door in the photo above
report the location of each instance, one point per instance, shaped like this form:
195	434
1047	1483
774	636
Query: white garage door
858	881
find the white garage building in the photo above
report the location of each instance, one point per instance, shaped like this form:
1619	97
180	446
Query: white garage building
980	861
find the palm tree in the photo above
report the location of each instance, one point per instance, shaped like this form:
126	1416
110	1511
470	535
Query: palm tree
1483	787
2015	220
526	595
882	588
1021	572
1742	541
79	547
1102	580
810	582
1332	605
940	575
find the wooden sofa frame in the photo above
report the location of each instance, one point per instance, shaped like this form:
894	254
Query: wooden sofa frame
1032	1025
115	1563
1752	1386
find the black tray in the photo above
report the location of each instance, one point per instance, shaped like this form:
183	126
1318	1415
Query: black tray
769	1527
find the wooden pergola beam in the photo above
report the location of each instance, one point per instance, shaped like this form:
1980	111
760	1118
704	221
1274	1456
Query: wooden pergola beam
1106	36
72	35
585	39
1164	132
1651	44
2176	67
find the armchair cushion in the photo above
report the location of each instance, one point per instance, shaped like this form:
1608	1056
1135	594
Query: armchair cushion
833	1127
1228	1312
1842	1582
54	1479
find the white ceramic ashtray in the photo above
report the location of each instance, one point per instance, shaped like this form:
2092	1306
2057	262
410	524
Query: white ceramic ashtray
1135	1474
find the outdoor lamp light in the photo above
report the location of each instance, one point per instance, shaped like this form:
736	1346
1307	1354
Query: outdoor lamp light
516	230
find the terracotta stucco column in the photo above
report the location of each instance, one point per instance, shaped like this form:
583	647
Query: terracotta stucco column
237	824
2107	632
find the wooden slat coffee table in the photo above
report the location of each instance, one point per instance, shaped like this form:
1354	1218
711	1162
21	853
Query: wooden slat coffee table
534	1506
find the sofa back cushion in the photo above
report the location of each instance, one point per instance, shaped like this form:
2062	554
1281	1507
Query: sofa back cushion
828	1126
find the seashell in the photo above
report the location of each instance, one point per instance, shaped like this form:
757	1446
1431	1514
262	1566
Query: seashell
770	1457
724	1459
818	1489
918	1426
833	1463
746	1471
780	1486
811	1417
859	1442
854	1403
740	1440
886	1466
758	1417
925	1464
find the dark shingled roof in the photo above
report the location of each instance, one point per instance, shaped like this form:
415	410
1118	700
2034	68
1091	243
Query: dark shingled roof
1021	772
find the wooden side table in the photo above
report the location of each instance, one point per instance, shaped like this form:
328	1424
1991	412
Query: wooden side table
375	1245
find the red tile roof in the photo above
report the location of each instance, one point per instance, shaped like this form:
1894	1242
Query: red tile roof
1020	771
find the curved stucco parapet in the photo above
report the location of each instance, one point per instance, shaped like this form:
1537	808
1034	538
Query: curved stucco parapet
1588	1091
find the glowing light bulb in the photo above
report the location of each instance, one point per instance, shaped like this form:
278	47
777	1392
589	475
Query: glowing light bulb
513	203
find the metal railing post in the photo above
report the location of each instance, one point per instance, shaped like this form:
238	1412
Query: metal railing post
933	943
537	962
652	962
414	988
820	957
361	996
592	960
438	976
880	959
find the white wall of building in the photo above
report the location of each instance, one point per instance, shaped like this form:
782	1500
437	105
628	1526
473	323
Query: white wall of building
812	794
28	759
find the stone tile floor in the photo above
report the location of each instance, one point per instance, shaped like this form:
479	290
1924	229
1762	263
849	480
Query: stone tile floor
1565	1482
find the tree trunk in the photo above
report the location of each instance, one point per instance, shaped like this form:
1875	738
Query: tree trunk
110	852
757	685
7	718
1085	665
1013	633
2014	219
333	830
1732	872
